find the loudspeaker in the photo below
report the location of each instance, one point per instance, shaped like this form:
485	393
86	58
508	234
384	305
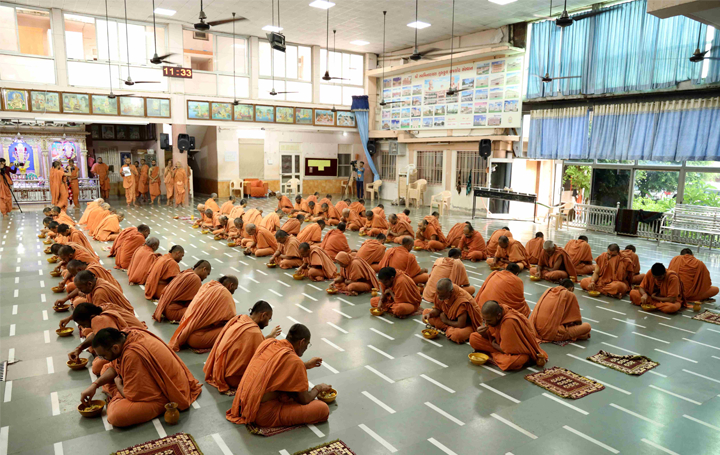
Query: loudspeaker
371	147
164	141
192	142
485	148
183	142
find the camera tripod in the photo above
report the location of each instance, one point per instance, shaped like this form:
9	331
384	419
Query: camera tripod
2	176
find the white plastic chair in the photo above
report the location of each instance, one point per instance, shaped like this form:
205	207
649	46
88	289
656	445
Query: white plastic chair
237	185
372	188
442	200
559	213
292	186
416	192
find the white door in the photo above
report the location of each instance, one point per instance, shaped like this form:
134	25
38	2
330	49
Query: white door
290	168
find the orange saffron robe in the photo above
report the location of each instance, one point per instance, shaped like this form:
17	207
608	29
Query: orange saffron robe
211	308
154	183
161	273
107	227
292	226
614	275
556	317
401	259
407	296
450	268
372	251
473	248
310	234
285	204
106	292
177	296
506	288
534	249
459	303
581	255
492	244
124	246
335	242
695	277
140	265
232	352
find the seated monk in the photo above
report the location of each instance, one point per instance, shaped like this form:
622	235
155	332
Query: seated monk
342	205
356	276
208	221
97	216
273	391
329	214
236	233
302	206
358	207
61	216
211	203
91	207
400	258
554	264
508	251
136	356
253	216
163	271
45	231
373	251
556	317
271	221
661	288
454	312
74	296
379	210
66	234
351	220
201	217
455	234
450	267
98	291
506	288
428	237
404	215
284	203
629	252
181	291
492	244
400	294
316	265
262	242
581	255
695	277
398	229
612	274
287	255
314	209
374	225
312	233
124	246
238	210
236	345
335	241
71	251
109	228
292	226
534	248
472	244
227	207
206	315
507	337
142	261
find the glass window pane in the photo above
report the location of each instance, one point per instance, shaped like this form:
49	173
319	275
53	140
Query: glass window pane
279	61
353	69
264	87
702	188
264	55
655	191
659	163
198	53
80	39
330	94
34	30
304	63
348	93
292	64
27	69
303	89
102	41
610	186
323	60
137	43
201	84
336	64
82	74
225	55
8	32
225	87
704	163
150	41
576	179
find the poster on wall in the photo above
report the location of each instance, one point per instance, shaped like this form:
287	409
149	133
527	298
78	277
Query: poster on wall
324	117
15	100
285	114
131	106
265	114
22	153
45	101
157	107
303	116
104	105
244	112
222	111
198	110
346	119
76	103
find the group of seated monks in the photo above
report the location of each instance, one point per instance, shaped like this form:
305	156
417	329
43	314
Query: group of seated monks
101	221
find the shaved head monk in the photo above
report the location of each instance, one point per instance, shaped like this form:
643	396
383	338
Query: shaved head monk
287	255
335	241
534	248
98	291
398	229
454	234
629	252
312	233
181	291
454	311
695	277
373	251
303	206
612	274
506	288
554	264
472	244
581	255
400	294
507	337
124	246
428	237
328	213
356	276
374	224
508	251
351	219
235	346
201	216
450	267
95	217
142	261
236	233
71	251
292	225
271	221
220	230
342	205
142	377
660	288
556	317
165	269
207	221
400	258
66	234
273	392
211	203
109	228
227	206
74	267
316	265
262	242
492	244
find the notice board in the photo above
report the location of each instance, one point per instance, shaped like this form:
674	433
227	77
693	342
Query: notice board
321	167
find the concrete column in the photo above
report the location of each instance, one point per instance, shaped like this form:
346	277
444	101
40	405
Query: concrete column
254	66
58	44
317	73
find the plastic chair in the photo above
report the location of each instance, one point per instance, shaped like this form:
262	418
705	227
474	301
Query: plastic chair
292	186
442	200
372	188
559	213
237	185
416	192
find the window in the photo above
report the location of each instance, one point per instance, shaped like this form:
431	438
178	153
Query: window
469	163
288	71
344	167
388	167
655	191
430	167
211	55
25	31
344	65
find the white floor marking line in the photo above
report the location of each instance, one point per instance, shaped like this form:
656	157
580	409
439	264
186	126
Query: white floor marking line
55	401
4	440
586	361
716	357
593	440
642	417
657	374
382	334
378	402
303	308
493	370
254	280
502	394
195	405
351	304
701	376
214	248
713	330
244	289
50	366
58	448
283	283
444	414
659	447
440	446
261	272
429	341
630	323
310	297
701	422
648	313
218	260
293	319
233	268
341	313
284	452
12	330
372	434
381	352
40	272
675	395
532	369
702	344
159	428
675	355
8	392
604	333
325	364
43	300
652	338
11	355
313	286
14	309
16	293
223	447
339	328
252	258
432	360
277	293
17	280
513	426
618	347
560	400
333	344
676	328
577	345
380	374
612	311
439	384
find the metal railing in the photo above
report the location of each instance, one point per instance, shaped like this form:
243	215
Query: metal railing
653	230
38	191
594	218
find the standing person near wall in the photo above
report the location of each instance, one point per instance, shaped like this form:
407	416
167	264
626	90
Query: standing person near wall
360	180
169	181
73	182
101	171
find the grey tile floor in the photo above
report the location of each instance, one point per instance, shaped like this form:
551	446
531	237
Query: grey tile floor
398	393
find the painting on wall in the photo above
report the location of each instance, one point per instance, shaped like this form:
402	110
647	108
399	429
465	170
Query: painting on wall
285	115
76	103
21	155
346	119
108	131
121	132
198	110
134	133
45	101
15	100
222	111
244	112
132	106
104	105
303	116
157	107
324	117
264	114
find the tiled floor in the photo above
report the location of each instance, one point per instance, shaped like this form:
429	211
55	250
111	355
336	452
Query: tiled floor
397	391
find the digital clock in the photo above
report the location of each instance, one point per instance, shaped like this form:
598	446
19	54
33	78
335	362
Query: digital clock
174	71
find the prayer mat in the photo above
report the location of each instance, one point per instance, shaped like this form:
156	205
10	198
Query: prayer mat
708	316
177	444
269	431
634	365
564	383
336	447
201	351
561	343
229	392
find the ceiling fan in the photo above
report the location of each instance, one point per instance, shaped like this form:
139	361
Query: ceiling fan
129	80
112	96
204	26
382	85
326	76
235	100
418	55
546	77
272	58
158	59
566	21
700	56
452	91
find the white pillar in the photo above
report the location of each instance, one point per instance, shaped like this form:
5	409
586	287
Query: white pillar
316	74
254	66
58	45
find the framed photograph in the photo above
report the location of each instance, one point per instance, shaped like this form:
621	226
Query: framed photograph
108	132
324	117
132	106
346	119
95	131
198	110
134	133
45	101
15	100
76	103
221	111
158	107
121	132
285	114
303	116
104	105
244	112
265	114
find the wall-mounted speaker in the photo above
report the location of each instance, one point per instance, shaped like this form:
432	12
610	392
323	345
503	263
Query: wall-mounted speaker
192	142
183	142
164	141
485	148
371	147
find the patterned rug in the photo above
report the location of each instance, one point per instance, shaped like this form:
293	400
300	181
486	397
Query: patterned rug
201	351
269	431
708	316
564	383
561	343
177	444
336	447
229	392
634	365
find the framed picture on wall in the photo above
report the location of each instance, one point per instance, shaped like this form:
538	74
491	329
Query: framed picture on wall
346	119
45	101
104	105
15	100
285	114
158	107
76	103
121	132
303	116
132	106
244	112
222	111
95	131
198	110
265	114
108	132
134	133
324	117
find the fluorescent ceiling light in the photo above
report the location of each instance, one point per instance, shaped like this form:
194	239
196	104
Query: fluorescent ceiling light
359	42
165	12
272	28
322	4
502	2
418	25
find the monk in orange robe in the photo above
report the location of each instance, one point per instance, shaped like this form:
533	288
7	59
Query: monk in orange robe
58	186
96	217
400	294
236	233
181	291
74	267
101	171
206	315
400	258
506	288
335	241
312	234
507	337
404	215
109	228
181	184
71	251
207	219
287	255
581	255
342	205
144	180
130	181
695	277
154	182
398	229
492	244
124	246
252	216
136	356
228	205
169	179
358	207
661	288
450	267
317	265
67	234
351	220
162	272
629	252
428	237
284	203
472	244
235	346
356	276
374	224
271	221
91	206
329	214
273	391
292	226
221	226
72	179
554	264
142	261
262	242
556	317
452	240
612	274
98	291
373	251
534	248
509	250
211	203
61	216
303	206
454	312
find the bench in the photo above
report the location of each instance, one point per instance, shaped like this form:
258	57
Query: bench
695	219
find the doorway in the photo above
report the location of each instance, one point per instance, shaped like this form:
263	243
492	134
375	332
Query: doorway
500	177
290	168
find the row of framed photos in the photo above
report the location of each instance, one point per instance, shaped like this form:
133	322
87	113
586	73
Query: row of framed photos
102	132
83	103
210	110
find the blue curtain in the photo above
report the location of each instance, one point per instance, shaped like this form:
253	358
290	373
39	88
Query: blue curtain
623	131
360	107
538	62
559	134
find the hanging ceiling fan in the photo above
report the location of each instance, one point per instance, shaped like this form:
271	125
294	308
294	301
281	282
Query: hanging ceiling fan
700	56
129	80
158	59
566	21
272	59
382	85
326	76
452	91
235	100
204	26
112	96
418	55
546	77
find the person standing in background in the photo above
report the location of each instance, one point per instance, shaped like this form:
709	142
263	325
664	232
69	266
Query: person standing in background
181	184
144	183
169	179
101	171
73	183
154	179
5	188
130	179
360	180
